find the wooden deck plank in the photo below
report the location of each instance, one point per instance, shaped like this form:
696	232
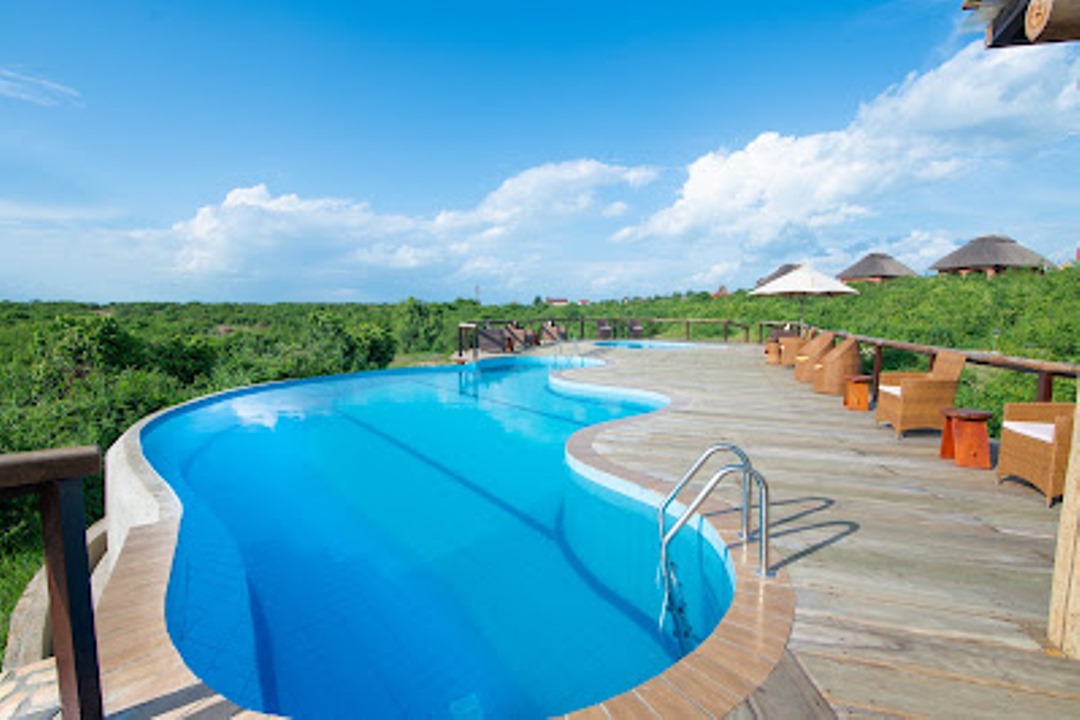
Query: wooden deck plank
894	553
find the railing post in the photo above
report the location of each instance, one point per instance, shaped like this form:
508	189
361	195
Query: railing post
70	609
1045	392
878	353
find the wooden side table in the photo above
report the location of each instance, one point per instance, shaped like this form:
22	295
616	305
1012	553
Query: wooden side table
965	439
857	392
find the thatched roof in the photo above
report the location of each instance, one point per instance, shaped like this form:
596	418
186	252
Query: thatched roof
777	273
876	265
991	251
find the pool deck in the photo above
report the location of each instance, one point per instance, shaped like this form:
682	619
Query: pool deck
908	587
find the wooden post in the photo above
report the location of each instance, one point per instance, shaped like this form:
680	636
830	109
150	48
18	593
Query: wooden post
687	329
70	609
1063	627
876	373
1045	391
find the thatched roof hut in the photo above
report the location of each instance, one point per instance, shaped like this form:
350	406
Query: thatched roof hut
778	272
991	254
875	267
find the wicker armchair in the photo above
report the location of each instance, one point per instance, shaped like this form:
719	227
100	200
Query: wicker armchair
909	400
604	330
1035	442
810	354
836	366
789	348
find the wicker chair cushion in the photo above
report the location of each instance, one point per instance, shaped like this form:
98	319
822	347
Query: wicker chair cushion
891	389
1037	430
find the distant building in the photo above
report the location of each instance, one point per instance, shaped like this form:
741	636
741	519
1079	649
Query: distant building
582	302
778	272
557	302
721	292
875	268
991	254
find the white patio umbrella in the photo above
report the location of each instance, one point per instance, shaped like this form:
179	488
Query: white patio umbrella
803	282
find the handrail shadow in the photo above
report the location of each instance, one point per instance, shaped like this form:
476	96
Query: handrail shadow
820	504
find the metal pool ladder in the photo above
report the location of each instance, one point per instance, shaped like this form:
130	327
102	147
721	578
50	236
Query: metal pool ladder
743	466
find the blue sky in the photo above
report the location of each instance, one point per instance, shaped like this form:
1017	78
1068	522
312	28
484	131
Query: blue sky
281	151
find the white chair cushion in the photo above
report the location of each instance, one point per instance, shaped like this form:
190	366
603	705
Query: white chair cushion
891	389
1037	430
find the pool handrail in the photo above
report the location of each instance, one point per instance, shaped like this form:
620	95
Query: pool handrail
748	474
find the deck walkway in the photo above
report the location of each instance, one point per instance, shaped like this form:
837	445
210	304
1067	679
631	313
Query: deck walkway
922	589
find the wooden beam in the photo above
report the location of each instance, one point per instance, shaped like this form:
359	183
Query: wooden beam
39	466
1052	21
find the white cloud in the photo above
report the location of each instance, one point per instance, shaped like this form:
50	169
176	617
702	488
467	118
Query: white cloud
543	195
940	125
36	90
256	236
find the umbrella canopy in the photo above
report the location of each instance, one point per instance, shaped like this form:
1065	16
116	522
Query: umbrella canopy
803	282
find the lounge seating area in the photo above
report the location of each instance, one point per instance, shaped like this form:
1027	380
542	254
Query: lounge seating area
1036	437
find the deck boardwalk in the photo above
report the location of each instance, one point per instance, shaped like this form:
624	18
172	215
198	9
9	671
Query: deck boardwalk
922	589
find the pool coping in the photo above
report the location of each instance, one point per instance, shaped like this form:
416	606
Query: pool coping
143	515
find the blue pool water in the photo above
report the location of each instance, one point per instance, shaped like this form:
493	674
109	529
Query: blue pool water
414	544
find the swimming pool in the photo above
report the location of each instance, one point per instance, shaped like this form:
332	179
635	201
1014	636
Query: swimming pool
413	543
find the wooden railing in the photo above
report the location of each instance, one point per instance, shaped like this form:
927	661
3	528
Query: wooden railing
620	327
1046	370
56	477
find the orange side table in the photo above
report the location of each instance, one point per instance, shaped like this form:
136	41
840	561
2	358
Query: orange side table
964	438
857	392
